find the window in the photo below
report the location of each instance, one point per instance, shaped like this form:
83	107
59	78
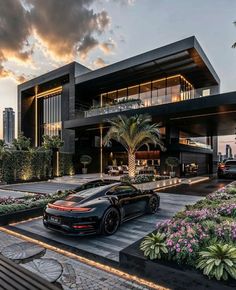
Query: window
206	92
52	115
122	94
122	189
158	92
145	94
173	89
133	92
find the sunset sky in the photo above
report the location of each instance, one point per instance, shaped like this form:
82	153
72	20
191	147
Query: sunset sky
40	35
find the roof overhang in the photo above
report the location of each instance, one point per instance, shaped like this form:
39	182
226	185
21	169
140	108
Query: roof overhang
184	57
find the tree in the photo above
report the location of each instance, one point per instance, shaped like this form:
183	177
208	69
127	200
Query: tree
4	149
132	133
22	142
52	142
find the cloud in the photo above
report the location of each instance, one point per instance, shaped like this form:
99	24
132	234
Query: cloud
108	46
99	62
14	32
123	2
87	44
66	27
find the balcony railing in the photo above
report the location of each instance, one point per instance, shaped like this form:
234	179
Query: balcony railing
148	102
114	108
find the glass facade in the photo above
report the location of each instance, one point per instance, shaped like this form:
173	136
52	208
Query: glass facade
51	115
167	90
201	142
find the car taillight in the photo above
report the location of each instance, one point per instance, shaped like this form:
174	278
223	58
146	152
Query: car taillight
67	208
82	226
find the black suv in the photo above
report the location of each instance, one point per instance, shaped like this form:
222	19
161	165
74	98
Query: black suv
227	168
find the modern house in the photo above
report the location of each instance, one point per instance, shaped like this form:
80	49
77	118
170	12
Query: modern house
175	84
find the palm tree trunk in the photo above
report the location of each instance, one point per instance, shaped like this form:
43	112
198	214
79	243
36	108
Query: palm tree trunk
131	161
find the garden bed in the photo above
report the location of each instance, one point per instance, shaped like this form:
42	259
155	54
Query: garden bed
157	184
166	274
150	182
30	206
200	239
20	215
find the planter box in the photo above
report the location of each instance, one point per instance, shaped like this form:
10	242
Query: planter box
167	274
21	215
157	184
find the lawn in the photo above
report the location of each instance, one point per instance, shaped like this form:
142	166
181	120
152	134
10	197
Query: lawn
203	236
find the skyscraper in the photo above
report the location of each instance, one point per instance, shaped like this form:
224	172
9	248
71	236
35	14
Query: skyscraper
8	125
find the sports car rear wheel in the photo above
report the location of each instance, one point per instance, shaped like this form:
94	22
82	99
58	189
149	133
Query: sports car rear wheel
111	221
153	204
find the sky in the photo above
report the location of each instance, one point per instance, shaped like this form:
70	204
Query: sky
37	36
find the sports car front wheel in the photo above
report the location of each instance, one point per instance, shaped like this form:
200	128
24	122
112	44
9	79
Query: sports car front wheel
110	222
153	204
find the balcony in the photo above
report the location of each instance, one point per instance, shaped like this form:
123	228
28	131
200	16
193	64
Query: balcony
114	108
148	99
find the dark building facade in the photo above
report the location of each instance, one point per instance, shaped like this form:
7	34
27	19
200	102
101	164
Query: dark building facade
8	125
175	84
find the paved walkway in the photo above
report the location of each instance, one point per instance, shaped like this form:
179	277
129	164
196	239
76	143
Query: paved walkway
109	247
59	183
199	189
76	274
11	193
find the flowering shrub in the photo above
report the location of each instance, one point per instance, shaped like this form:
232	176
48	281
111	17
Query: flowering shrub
200	215
221	195
183	239
226	231
10	205
205	229
228	210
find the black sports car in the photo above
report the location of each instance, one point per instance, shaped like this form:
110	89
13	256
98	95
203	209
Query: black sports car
100	209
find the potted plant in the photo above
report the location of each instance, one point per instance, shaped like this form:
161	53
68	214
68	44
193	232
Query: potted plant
85	160
172	162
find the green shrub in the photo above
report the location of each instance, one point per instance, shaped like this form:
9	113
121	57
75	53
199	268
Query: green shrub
66	164
126	179
18	165
218	261
154	246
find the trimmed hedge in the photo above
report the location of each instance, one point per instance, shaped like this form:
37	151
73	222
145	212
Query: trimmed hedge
66	165
19	165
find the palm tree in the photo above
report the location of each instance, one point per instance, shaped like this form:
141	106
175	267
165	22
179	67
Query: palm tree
132	133
234	45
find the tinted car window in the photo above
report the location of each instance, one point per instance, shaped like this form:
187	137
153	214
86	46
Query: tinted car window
230	163
86	193
122	189
93	185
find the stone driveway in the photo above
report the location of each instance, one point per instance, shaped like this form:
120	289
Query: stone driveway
109	247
